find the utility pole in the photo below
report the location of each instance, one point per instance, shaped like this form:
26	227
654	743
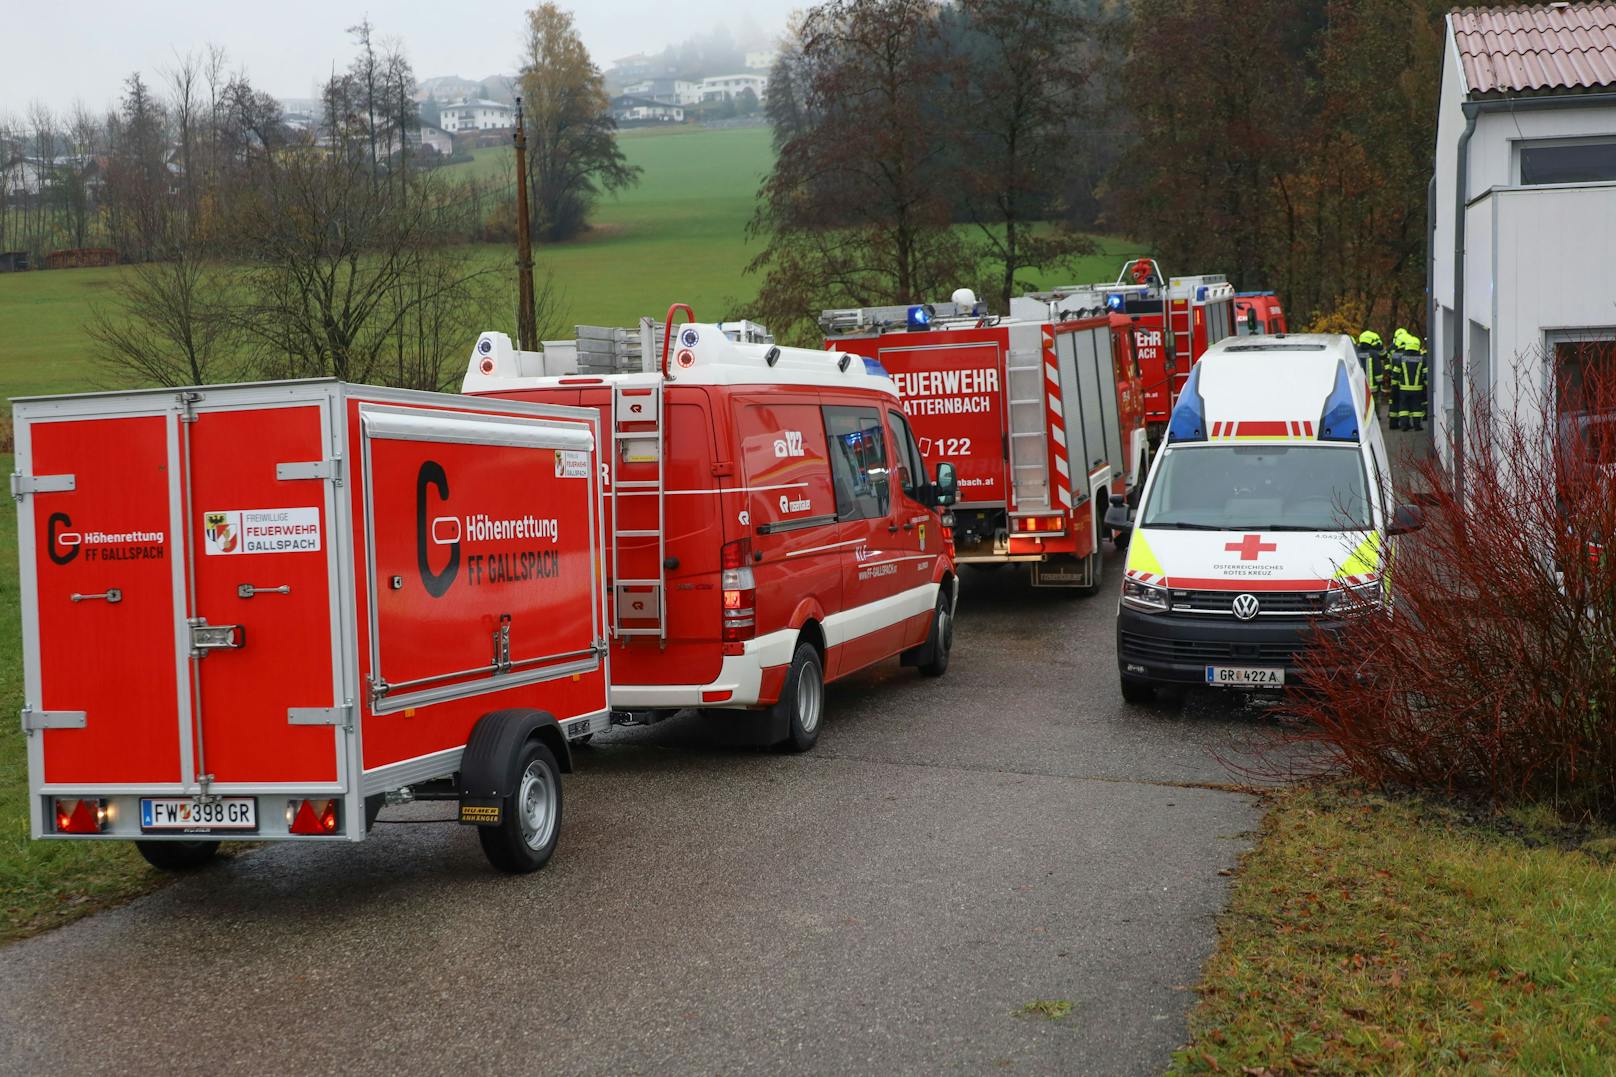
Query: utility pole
526	331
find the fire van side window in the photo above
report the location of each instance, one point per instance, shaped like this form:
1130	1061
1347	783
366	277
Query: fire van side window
858	458
908	453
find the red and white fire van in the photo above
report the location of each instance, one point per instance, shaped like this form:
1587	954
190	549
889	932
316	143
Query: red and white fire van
260	612
1042	416
1175	319
771	525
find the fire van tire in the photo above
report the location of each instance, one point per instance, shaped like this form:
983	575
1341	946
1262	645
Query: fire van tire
942	637
802	699
530	817
177	855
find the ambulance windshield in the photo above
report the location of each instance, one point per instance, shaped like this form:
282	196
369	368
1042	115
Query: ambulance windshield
1259	488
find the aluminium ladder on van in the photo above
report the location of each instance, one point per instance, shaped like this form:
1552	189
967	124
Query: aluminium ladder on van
1028	431
639	588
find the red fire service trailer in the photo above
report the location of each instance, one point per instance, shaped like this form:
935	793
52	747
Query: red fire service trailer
260	612
1174	320
771	525
1041	415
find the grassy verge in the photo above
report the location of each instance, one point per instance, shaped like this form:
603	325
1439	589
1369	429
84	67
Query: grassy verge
44	883
1370	934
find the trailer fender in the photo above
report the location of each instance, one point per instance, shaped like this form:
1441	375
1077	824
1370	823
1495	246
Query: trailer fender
485	768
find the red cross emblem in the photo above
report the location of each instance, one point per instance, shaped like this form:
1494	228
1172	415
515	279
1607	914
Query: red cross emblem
1249	547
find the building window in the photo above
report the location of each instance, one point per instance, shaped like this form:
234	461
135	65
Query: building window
1568	162
1577	354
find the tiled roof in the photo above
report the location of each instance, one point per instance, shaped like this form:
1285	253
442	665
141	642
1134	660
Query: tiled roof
1537	48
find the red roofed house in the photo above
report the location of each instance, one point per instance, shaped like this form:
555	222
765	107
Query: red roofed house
1523	239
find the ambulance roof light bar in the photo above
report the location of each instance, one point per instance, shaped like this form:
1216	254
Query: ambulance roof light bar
1188	422
1339	419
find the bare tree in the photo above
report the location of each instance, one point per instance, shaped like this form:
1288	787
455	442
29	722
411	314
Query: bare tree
173	325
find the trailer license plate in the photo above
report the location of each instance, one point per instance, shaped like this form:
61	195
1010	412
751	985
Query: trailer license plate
198	816
1244	677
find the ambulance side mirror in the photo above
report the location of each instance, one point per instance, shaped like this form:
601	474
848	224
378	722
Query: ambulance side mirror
946	488
1119	517
1407	518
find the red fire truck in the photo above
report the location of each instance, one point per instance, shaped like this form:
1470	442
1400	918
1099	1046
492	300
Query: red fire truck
1175	319
771	522
260	612
1258	314
1042	416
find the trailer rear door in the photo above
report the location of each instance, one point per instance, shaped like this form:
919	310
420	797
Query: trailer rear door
259	504
101	581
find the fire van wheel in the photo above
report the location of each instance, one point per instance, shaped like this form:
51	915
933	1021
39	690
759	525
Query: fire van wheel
177	855
802	700
1137	691
942	634
530	817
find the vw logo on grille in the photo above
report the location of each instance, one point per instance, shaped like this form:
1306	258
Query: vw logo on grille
1245	606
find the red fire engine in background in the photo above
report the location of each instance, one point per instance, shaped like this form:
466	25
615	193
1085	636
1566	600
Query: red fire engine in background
1175	319
1041	412
1258	313
772	524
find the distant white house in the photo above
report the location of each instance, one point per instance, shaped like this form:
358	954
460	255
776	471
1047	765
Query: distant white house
437	139
476	115
724	87
629	109
761	61
667	91
1525	205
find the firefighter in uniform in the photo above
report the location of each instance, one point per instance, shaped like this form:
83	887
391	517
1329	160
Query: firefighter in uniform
1372	357
1408	383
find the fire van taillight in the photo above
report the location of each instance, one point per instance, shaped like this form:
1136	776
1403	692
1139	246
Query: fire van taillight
81	816
311	816
740	592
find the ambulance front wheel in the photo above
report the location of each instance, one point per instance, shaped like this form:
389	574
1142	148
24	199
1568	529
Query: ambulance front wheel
530	817
177	855
802	700
1137	691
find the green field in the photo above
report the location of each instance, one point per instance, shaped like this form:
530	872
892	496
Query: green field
679	236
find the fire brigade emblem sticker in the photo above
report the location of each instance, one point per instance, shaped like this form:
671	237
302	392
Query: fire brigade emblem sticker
245	531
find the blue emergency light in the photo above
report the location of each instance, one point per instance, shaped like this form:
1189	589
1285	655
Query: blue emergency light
1114	301
1188	422
1339	420
1200	294
919	316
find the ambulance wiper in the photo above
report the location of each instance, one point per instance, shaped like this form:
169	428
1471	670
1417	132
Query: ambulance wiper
1186	525
1284	527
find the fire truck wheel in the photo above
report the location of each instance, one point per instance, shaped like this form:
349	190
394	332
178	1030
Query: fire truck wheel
1096	568
802	700
530	820
177	855
1137	691
942	637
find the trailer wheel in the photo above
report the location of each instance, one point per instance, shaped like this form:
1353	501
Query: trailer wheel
177	855
942	637
530	817
802	699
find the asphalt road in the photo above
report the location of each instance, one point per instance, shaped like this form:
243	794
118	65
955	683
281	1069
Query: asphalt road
951	851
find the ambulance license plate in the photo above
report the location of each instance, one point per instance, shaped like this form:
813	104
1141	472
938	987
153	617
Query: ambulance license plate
1244	677
195	816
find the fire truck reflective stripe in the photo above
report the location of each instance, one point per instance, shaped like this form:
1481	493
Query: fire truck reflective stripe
1058	432
1063	467
1064	497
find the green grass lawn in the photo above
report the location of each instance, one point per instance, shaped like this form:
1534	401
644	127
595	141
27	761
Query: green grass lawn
679	236
1376	935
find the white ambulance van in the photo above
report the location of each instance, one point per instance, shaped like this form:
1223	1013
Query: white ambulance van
1268	510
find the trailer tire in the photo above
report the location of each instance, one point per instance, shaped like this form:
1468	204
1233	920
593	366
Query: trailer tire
530	817
177	855
802	699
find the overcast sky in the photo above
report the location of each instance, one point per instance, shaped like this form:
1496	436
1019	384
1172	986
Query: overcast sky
57	51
